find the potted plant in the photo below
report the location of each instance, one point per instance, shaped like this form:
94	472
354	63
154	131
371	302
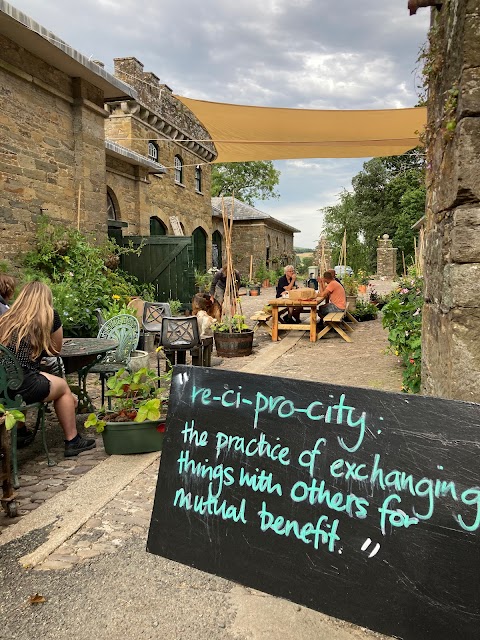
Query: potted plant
364	311
350	284
362	279
134	423
253	288
203	280
233	337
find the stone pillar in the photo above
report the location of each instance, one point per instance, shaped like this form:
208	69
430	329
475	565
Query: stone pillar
386	258
451	316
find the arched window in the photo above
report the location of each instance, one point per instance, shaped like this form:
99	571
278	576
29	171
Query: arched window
111	208
217	249
199	249
198	178
178	164
157	228
153	151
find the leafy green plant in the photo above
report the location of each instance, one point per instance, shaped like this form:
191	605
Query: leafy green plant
203	280
175	307
402	316
117	307
75	267
364	311
11	417
236	324
350	284
362	277
136	398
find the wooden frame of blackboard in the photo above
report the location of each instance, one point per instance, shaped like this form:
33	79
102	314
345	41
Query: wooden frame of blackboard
400	561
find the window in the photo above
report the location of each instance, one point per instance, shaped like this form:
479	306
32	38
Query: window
198	178
153	151
178	163
111	209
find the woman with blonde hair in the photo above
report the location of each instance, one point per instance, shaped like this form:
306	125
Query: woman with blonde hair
31	329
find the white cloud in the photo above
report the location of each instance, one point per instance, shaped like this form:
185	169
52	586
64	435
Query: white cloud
286	53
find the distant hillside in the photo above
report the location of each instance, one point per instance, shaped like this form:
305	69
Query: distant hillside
302	250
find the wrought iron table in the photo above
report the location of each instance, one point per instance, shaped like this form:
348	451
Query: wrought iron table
79	355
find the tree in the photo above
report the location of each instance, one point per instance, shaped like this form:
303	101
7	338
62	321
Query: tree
338	218
248	181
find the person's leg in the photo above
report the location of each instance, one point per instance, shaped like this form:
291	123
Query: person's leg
65	403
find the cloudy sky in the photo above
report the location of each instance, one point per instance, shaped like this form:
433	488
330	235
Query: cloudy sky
325	54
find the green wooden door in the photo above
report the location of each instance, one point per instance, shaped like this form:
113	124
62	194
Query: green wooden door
199	238
166	262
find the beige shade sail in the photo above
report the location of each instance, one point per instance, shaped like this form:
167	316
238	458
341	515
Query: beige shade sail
245	133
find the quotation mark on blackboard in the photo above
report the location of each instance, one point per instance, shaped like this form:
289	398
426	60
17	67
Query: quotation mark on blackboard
375	549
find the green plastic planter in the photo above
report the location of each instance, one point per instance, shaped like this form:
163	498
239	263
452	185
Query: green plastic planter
125	438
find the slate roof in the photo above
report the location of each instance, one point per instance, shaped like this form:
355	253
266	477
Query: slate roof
242	211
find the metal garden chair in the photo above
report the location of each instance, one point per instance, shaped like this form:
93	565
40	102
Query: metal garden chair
125	329
11	378
177	336
153	314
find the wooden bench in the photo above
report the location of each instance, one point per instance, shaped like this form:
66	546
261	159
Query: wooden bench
262	319
337	322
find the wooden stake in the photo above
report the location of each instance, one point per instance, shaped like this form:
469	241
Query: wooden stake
251	269
404	267
78	206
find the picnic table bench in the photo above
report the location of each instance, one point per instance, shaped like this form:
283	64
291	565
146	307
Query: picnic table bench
262	319
337	322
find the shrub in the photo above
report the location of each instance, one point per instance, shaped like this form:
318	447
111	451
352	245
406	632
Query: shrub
75	267
402	316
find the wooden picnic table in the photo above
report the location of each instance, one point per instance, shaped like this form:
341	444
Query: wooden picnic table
286	303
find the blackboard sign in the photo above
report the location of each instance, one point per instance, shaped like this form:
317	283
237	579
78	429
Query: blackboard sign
362	504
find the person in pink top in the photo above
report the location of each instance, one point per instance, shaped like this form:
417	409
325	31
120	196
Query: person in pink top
334	295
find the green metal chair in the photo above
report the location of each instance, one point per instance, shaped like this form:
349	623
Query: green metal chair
11	378
125	329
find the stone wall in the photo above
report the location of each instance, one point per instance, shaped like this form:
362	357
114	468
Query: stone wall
51	149
251	238
451	318
386	258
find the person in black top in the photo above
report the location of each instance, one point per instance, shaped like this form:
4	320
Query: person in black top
31	329
219	283
287	282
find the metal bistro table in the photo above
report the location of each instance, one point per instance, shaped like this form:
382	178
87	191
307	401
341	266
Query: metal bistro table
286	303
79	355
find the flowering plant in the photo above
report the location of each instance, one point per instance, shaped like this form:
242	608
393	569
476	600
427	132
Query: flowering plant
136	398
402	316
362	277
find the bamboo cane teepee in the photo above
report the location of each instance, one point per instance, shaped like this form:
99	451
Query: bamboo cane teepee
231	304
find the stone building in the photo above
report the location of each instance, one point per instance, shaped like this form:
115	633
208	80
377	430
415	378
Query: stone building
451	316
52	139
114	154
254	233
157	126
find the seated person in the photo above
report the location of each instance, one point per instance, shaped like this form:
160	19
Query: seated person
286	283
7	287
333	294
31	329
